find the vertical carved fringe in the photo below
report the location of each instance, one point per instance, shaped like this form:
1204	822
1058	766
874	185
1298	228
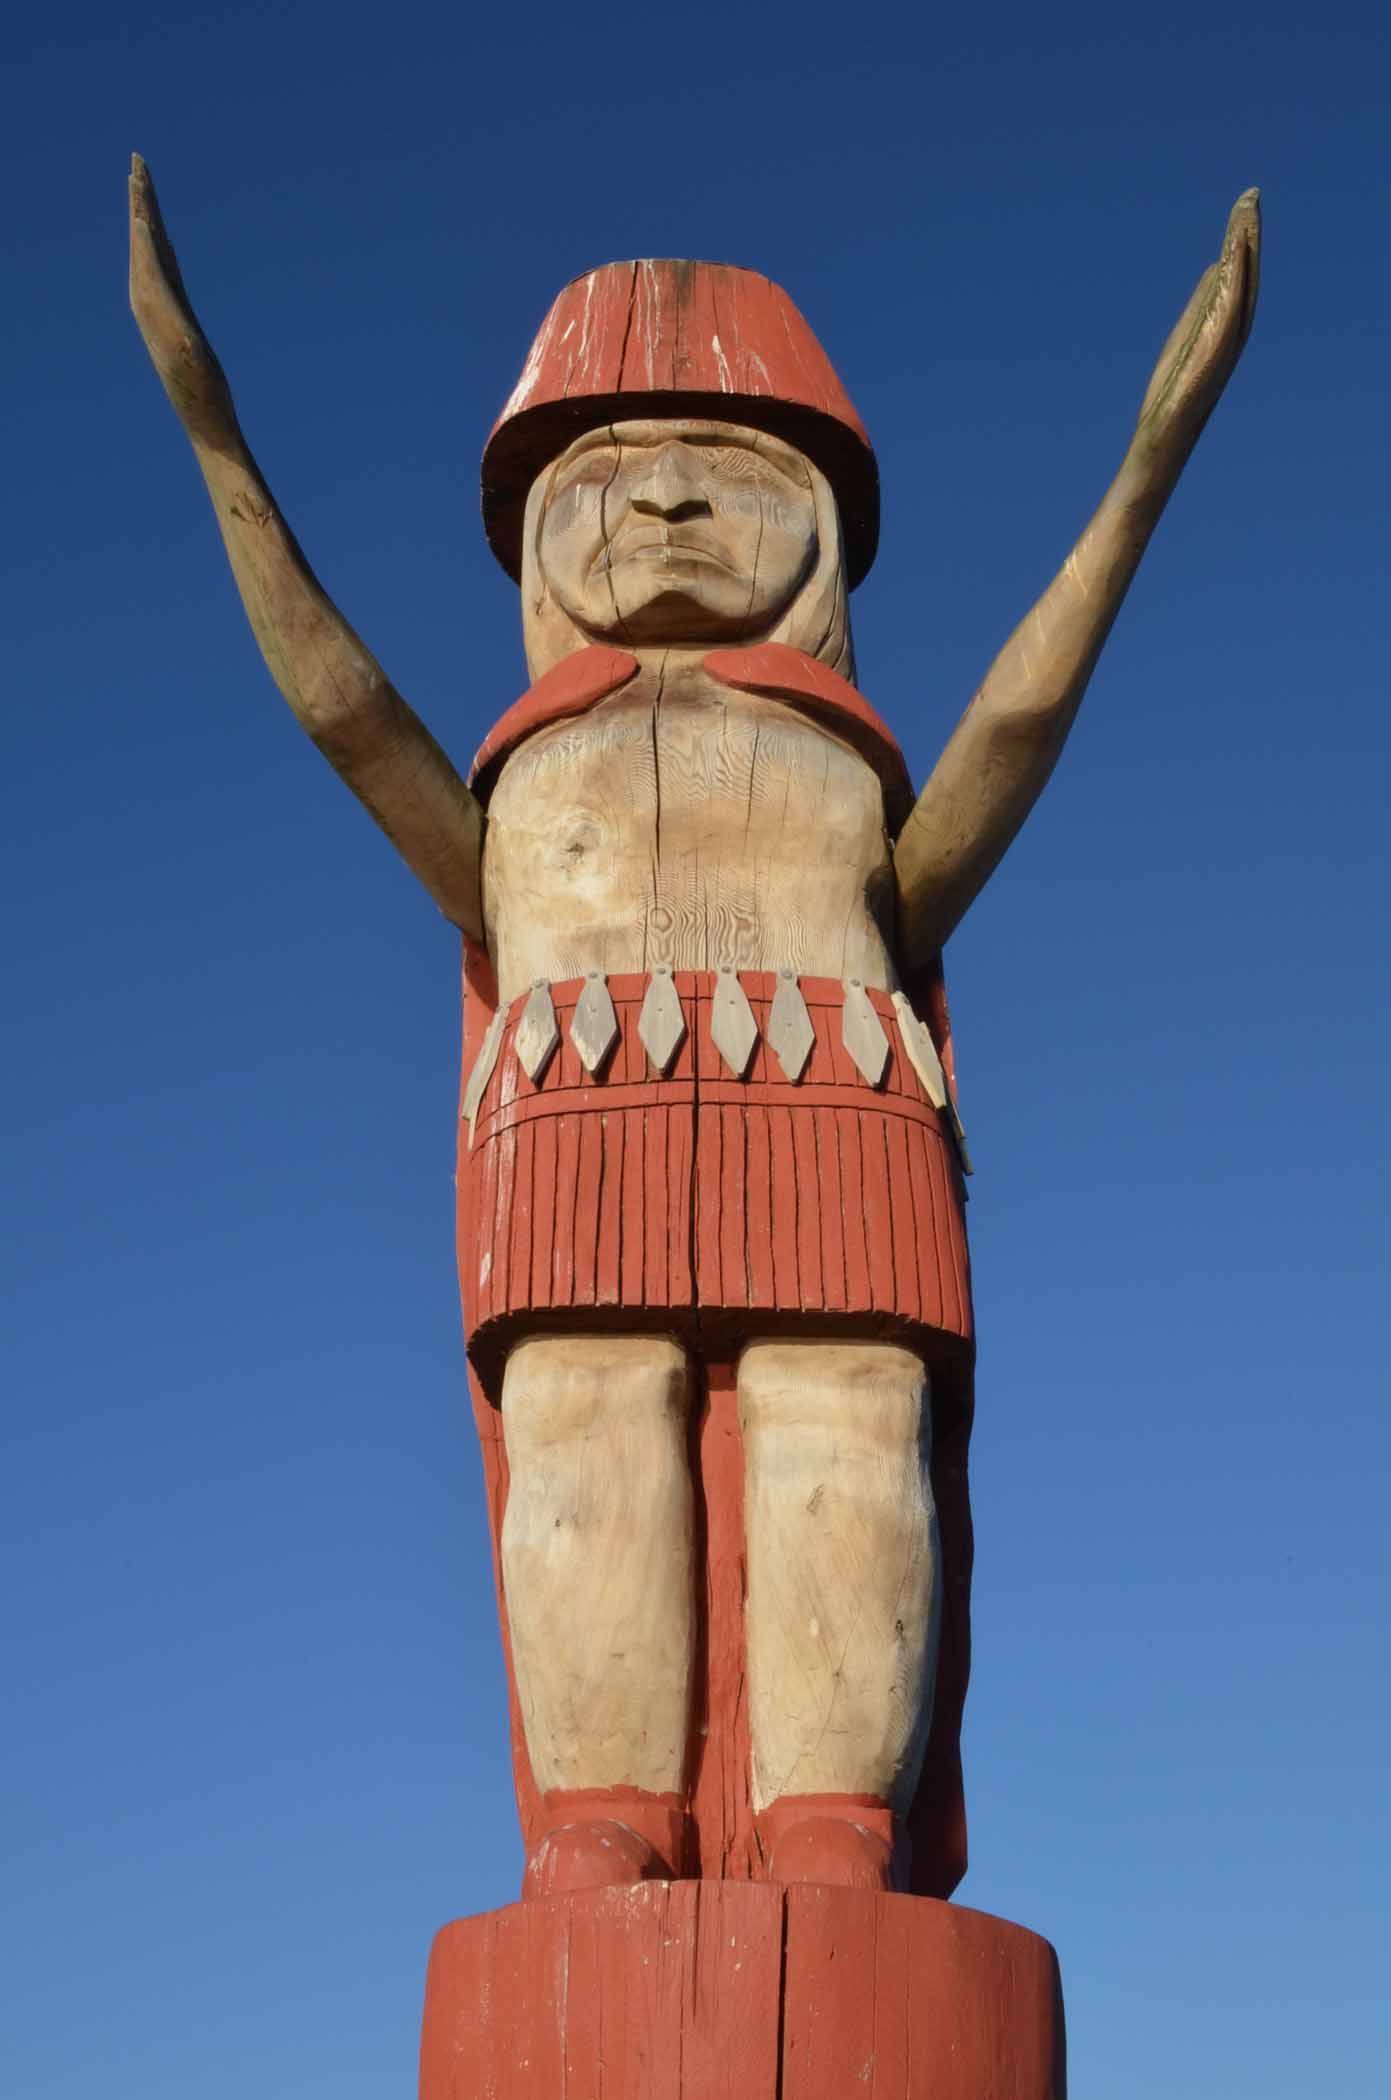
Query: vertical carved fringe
698	1190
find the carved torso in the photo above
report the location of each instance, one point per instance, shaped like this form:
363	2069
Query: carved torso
699	828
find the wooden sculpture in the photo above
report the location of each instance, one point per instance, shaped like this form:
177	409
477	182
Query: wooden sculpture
711	1173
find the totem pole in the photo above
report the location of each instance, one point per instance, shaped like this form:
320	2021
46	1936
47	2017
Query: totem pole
711	1185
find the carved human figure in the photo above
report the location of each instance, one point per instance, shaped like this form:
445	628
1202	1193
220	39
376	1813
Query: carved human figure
703	1119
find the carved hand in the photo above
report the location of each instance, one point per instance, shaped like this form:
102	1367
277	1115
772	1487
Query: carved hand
179	350
1201	354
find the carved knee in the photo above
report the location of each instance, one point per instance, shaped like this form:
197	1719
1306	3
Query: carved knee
862	1408
559	1388
595	1431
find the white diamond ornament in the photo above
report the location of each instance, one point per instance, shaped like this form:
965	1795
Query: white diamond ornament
862	1032
921	1051
733	1029
661	1024
594	1024
791	1037
482	1071
538	1035
958	1131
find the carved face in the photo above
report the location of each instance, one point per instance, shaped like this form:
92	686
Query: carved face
675	531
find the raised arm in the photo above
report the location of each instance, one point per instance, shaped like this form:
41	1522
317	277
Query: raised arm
335	686
1005	746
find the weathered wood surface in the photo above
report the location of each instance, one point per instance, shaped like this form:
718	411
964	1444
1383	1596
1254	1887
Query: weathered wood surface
729	1991
838	1562
687	826
597	1563
696	1190
842	1553
648	337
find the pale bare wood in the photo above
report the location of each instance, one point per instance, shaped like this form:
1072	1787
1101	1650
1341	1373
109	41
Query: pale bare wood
597	1557
843	1600
336	687
684	825
654	534
1008	741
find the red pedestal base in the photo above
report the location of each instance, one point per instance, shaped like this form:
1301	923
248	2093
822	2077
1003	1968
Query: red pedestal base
729	1990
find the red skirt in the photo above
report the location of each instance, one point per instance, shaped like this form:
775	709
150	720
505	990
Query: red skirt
673	1200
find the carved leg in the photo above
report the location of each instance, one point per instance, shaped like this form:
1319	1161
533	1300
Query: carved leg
597	1573
843	1602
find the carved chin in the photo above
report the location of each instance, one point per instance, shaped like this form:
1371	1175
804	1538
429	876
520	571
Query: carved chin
683	603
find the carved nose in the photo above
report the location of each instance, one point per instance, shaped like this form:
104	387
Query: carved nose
670	489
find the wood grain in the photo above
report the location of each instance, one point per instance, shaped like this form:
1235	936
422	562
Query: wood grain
699	1191
741	1991
597	1558
842	1567
701	830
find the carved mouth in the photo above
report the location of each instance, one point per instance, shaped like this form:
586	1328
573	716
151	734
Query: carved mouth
662	547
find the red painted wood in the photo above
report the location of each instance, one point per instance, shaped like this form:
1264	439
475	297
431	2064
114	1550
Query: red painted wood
874	1173
608	1251
831	1209
811	1276
721	1803
937	1819
503	1185
567	1174
866	1239
880	1998
741	1991
727	2044
762	1226
589	1207
518	1221
488	1420
578	682
632	1206
784	673
663	338
585	1837
902	1205
680	1179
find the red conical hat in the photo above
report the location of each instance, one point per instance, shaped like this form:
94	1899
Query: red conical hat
656	338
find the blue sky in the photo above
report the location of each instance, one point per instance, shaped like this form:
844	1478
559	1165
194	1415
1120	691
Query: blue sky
258	1752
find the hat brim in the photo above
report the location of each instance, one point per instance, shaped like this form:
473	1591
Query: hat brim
526	443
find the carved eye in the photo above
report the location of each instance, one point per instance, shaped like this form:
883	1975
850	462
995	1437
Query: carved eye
754	470
591	469
732	462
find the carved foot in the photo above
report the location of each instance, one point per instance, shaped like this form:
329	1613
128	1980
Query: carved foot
848	1841
598	1855
639	1838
